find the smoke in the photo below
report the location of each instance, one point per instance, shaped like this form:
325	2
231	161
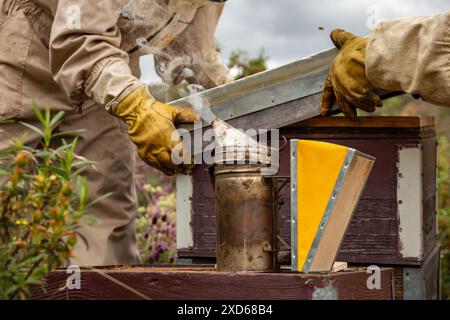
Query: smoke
174	62
139	19
201	105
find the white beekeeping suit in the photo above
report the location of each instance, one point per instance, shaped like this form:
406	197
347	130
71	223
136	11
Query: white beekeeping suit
180	34
412	55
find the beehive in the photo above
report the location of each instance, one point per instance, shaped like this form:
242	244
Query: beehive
395	220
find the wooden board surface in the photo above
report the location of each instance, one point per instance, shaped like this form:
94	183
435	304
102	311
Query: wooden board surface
429	194
369	122
191	284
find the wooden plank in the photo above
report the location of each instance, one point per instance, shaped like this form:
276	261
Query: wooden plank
431	274
182	284
368	122
429	170
398	283
355	133
339	266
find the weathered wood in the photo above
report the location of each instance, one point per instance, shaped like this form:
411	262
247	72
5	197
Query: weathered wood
368	122
398	283
339	266
429	194
420	283
207	284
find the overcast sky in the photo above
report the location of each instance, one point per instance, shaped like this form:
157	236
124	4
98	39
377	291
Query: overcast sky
289	29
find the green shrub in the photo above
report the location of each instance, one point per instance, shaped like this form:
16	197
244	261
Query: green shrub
42	199
444	213
246	66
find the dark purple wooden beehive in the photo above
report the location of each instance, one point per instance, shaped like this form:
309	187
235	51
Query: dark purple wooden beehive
395	221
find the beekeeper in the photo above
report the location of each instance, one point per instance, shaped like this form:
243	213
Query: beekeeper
409	54
81	57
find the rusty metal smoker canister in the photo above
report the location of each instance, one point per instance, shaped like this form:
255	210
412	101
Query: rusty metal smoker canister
244	209
244	202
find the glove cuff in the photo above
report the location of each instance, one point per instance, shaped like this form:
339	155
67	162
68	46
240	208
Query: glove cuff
129	108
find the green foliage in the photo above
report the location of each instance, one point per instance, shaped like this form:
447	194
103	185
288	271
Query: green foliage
246	66
399	105
444	213
391	107
42	199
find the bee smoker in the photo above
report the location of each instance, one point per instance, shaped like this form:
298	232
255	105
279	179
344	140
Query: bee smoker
246	203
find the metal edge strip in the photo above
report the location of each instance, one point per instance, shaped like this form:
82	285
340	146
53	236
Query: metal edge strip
264	90
330	207
294	202
267	97
288	72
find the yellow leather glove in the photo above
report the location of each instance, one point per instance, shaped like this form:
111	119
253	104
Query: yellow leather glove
151	125
347	81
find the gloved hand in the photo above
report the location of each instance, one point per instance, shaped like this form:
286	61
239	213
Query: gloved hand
347	81
151	125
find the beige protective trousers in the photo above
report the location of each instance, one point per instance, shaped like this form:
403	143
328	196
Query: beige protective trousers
104	140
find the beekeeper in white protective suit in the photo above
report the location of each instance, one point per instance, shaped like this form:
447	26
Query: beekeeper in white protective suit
409	54
81	56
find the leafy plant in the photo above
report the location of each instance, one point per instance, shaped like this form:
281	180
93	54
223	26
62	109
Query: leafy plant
444	213
42	199
246	66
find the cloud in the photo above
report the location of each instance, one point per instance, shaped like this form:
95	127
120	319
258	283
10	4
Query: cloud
289	29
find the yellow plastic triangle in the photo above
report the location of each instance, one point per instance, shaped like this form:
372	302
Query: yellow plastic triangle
318	167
